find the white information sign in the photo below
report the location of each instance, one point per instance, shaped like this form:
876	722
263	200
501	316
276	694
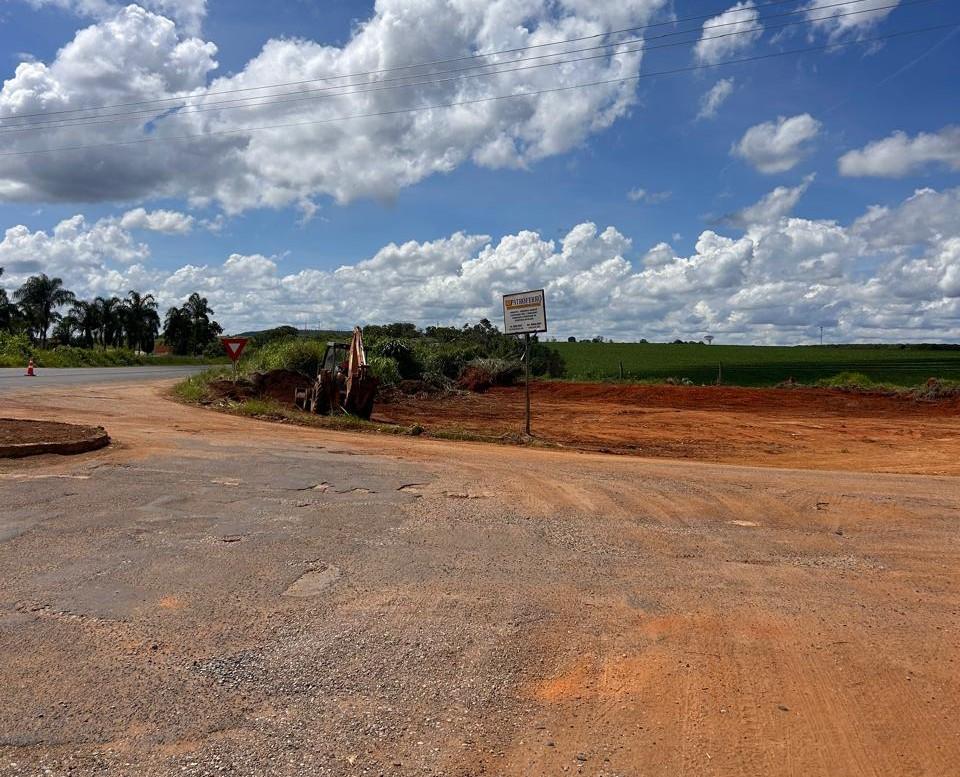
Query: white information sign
524	312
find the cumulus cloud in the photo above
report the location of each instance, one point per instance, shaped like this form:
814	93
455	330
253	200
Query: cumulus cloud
778	146
141	55
650	198
925	217
187	13
74	248
891	274
717	95
731	35
899	154
772	206
837	21
170	222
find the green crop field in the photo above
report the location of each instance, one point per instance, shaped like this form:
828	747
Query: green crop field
749	365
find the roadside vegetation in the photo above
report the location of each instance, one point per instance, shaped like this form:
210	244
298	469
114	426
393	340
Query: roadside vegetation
48	323
867	366
435	357
403	357
16	350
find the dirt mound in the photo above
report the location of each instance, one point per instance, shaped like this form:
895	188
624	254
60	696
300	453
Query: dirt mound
475	380
279	385
20	438
235	391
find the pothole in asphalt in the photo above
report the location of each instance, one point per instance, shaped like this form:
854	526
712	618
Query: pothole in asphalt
743	523
314	582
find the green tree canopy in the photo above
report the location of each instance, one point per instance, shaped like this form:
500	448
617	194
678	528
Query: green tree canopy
39	299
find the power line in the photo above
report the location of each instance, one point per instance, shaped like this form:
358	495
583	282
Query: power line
459	103
313	94
450	60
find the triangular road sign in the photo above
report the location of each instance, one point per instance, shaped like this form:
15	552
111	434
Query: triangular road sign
234	346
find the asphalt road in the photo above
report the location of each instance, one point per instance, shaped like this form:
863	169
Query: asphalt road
13	378
215	595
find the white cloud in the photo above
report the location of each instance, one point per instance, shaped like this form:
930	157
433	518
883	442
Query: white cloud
730	35
187	13
648	197
661	254
717	95
772	206
73	248
778	146
892	274
927	216
838	21
899	154
170	222
140	56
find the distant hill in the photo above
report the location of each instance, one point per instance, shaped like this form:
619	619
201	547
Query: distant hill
313	334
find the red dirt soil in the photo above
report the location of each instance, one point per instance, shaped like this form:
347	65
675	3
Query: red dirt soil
819	428
20	437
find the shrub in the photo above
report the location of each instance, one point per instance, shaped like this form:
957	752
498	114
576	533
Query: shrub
481	374
401	351
447	359
385	370
847	380
14	348
297	354
544	360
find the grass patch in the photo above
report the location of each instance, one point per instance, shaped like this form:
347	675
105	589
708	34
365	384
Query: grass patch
86	357
196	388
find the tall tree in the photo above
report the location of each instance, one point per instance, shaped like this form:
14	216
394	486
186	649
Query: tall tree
177	330
142	321
203	330
65	329
39	299
6	310
110	311
87	318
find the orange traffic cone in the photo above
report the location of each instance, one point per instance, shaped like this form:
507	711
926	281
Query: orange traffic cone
30	372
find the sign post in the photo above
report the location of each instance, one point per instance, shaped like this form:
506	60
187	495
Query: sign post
234	347
525	313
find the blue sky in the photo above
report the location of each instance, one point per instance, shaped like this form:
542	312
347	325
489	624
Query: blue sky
289	238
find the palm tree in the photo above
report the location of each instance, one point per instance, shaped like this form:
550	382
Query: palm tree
39	299
87	317
176	330
141	320
63	331
202	329
110	318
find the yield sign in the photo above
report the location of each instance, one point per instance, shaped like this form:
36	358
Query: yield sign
234	346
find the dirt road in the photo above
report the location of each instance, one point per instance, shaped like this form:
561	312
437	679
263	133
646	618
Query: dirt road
212	595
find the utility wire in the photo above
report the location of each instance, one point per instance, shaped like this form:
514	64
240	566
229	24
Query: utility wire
313	94
447	61
459	103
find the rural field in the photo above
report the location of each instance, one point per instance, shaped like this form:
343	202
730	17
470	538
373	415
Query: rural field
745	365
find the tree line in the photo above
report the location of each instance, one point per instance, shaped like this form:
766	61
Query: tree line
52	315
